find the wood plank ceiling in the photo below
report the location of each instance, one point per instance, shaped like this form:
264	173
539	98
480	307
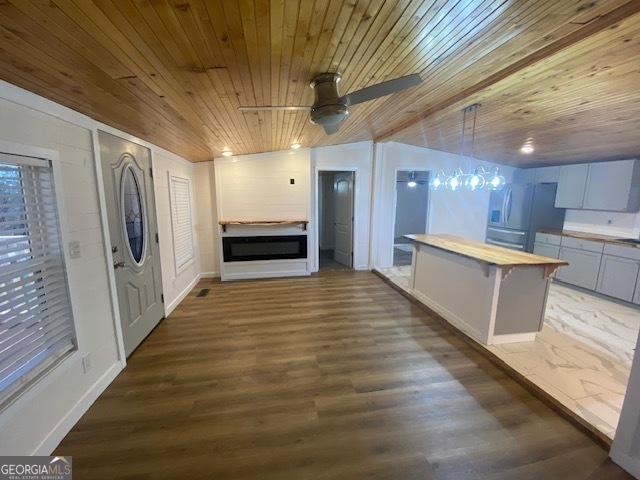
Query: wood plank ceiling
175	71
581	104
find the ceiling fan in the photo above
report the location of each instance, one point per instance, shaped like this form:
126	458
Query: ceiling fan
330	109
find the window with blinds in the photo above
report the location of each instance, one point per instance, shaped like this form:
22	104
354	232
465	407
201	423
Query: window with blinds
36	324
183	249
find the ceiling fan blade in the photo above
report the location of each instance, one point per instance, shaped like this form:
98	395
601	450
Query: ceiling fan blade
273	107
331	128
381	89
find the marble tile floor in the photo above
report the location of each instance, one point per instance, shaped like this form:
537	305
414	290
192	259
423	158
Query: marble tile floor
582	357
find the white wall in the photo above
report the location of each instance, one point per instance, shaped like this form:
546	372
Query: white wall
257	187
206	219
462	213
616	224
175	286
37	421
356	157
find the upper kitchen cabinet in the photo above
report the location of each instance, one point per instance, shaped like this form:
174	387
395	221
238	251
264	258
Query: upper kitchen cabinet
613	186
547	174
524	175
572	182
536	175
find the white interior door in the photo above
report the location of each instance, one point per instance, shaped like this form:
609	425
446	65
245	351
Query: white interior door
343	218
126	170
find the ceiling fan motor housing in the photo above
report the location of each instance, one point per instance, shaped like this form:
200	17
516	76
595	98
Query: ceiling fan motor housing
328	108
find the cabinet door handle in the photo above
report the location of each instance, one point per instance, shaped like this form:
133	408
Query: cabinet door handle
118	265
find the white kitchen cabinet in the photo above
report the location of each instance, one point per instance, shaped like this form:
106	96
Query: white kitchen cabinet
524	175
613	186
583	267
572	181
547	175
618	276
546	250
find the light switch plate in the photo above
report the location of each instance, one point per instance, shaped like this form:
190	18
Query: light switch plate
86	363
74	249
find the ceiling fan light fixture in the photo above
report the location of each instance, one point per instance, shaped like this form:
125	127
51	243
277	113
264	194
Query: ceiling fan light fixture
295	146
227	153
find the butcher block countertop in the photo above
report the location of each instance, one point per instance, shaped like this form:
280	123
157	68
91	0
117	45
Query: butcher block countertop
482	252
595	237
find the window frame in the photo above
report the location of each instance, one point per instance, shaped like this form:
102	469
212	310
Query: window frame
181	268
58	367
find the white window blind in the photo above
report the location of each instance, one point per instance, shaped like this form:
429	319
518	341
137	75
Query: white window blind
183	248
36	324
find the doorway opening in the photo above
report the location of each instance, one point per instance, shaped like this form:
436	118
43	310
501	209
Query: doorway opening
335	219
411	213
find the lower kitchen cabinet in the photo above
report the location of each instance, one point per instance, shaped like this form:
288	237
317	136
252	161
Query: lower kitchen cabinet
546	250
618	277
583	267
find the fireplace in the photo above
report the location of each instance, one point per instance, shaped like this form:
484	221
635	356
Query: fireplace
278	247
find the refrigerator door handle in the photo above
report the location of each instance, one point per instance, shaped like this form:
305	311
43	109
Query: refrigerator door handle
503	217
505	244
509	204
503	230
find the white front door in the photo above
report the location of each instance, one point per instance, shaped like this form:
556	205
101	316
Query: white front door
126	170
343	218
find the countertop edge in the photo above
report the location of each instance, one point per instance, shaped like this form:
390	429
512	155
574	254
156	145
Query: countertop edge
556	263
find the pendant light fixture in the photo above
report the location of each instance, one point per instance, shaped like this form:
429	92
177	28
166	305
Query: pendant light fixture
479	178
439	180
412	180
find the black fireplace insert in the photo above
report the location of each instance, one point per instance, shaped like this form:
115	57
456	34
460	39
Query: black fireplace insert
279	247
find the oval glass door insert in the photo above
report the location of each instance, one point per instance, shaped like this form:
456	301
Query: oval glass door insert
132	214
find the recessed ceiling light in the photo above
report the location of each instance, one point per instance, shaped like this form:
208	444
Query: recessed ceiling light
295	146
526	148
227	153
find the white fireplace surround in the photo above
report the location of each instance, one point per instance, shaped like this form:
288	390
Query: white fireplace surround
263	268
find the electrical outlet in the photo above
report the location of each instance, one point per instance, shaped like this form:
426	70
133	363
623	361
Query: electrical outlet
74	249
86	363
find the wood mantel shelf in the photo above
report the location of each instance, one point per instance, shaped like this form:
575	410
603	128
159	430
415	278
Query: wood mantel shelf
263	223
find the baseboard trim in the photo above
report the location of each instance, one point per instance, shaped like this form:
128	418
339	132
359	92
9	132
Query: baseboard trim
270	274
513	338
210	275
170	307
64	426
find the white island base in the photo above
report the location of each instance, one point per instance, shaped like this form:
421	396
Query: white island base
491	303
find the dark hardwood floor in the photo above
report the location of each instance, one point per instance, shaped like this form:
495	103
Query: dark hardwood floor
336	376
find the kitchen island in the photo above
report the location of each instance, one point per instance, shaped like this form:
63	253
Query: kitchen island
493	294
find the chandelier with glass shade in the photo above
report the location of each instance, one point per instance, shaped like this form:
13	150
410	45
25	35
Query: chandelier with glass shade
479	178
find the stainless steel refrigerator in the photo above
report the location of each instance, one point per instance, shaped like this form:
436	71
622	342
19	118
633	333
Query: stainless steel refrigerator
518	211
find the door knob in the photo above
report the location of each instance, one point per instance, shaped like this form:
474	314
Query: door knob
118	264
